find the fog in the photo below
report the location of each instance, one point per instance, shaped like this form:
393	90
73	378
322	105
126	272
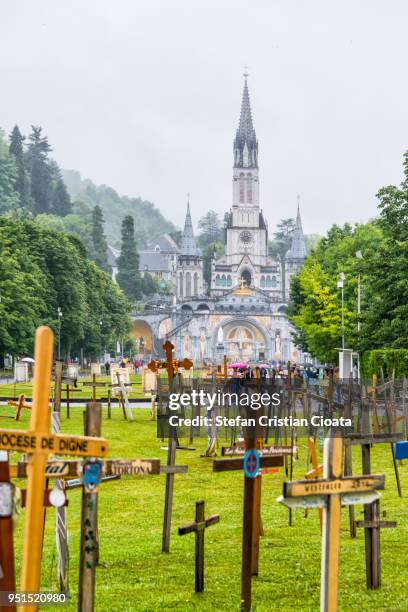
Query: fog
145	97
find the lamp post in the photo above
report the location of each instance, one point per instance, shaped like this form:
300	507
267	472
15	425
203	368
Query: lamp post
359	255
340	285
100	335
59	331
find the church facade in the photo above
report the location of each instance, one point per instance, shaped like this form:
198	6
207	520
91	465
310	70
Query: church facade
242	313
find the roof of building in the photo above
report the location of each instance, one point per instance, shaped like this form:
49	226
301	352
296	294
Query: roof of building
153	261
223	268
165	244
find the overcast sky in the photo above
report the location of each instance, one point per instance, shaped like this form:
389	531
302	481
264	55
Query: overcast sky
145	97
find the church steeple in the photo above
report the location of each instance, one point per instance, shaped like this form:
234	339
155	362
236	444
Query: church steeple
245	143
298	246
245	186
188	243
189	263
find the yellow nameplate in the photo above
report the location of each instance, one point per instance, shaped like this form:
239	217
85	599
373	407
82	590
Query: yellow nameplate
338	486
29	442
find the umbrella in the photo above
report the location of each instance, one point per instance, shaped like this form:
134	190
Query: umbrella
27	360
264	365
236	366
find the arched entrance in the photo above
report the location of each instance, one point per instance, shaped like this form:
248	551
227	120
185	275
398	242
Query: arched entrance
142	334
246	276
240	344
242	340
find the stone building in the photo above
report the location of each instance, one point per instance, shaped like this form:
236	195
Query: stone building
243	311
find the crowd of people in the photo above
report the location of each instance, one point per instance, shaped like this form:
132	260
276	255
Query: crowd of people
299	371
123	362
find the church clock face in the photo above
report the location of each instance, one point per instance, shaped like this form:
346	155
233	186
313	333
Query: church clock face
245	238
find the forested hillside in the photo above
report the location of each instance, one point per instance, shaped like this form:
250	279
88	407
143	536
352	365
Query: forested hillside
42	271
149	222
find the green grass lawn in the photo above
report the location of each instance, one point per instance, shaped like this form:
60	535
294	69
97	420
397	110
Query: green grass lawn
14	390
135	576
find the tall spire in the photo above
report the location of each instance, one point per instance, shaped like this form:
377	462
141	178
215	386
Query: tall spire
245	143
188	243
298	247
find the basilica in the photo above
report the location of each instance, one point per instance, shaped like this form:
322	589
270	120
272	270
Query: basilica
242	311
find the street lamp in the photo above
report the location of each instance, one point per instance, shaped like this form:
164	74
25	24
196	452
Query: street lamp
340	285
100	334
59	331
359	255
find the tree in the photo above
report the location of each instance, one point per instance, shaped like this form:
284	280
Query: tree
315	304
77	225
40	171
311	241
9	197
21	184
99	243
211	240
319	317
149	284
61	202
128	276
212	251
210	229
279	246
41	270
176	236
283	235
385	320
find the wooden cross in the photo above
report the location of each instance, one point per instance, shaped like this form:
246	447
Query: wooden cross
123	398
372	525
239	450
19	405
390	425
372	510
61	529
7	571
251	515
315	472
39	444
222	371
198	527
89	546
70	383
329	493
94	384
110	470
110	467
348	452
106	470
171	365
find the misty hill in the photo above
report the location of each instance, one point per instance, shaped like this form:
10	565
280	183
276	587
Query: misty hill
149	222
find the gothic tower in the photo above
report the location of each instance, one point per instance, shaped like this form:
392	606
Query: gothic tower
245	174
246	252
297	253
189	263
